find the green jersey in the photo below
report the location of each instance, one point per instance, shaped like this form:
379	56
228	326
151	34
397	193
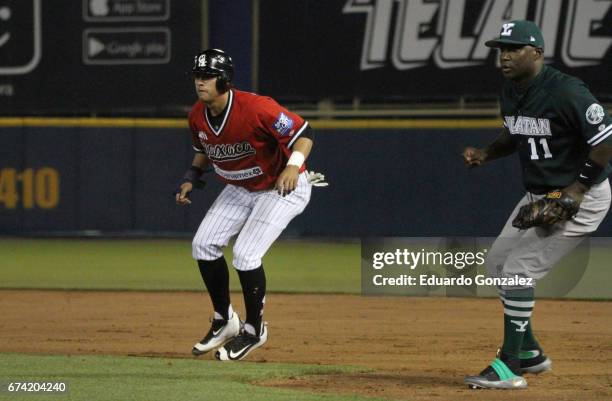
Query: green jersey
554	124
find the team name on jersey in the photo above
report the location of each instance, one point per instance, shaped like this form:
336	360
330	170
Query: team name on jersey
229	151
528	126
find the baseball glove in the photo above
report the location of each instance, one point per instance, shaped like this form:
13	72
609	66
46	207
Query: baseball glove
556	206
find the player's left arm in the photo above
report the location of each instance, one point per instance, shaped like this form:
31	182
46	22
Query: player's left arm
563	205
599	157
288	178
592	120
292	133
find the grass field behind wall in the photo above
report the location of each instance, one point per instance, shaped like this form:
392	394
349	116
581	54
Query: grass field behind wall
166	265
291	266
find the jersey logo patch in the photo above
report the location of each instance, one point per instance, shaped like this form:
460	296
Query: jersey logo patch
283	124
595	114
202	136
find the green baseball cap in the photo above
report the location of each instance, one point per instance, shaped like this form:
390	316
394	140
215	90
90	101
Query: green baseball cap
518	32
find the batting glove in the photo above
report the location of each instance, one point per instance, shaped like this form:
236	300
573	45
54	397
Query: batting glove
316	179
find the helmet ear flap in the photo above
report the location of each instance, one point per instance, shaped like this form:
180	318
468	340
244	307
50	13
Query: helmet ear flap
222	82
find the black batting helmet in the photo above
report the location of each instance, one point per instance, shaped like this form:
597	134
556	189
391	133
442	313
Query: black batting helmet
215	62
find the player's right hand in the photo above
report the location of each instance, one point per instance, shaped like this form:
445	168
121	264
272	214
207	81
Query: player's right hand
182	198
473	157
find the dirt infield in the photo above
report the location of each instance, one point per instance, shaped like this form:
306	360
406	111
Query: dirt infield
420	348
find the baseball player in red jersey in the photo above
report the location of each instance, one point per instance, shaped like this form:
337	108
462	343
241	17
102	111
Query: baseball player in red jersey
258	149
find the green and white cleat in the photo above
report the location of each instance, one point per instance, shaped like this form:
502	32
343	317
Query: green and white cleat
534	362
496	375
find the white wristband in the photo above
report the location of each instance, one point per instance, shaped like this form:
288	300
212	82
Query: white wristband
296	159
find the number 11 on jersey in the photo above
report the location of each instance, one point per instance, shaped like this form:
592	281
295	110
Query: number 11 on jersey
534	149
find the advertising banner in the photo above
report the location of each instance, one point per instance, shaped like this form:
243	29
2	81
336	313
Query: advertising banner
97	56
420	48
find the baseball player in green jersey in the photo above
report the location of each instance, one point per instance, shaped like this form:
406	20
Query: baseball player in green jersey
563	137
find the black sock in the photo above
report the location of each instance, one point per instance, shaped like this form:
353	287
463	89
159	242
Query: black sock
216	278
254	290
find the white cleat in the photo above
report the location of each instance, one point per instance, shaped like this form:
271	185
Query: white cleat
239	347
221	331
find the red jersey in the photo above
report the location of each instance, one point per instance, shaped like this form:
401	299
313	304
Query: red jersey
252	145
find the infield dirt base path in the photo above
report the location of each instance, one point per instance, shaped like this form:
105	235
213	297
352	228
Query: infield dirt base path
420	348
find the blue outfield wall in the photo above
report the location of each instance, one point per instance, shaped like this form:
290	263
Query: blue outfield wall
383	182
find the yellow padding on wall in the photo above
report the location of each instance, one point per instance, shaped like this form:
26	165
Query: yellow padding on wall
182	123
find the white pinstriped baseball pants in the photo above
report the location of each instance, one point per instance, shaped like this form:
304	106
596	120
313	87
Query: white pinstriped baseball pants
257	217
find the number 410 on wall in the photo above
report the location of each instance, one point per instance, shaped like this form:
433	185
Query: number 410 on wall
32	187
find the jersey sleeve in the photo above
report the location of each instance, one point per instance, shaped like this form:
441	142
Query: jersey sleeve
586	114
286	127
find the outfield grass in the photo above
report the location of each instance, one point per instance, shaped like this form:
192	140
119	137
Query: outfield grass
108	378
291	266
